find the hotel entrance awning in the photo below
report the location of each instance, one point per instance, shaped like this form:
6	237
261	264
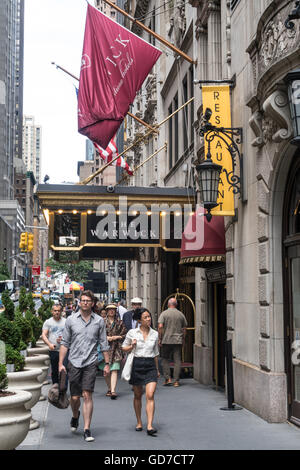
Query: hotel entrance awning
211	247
77	216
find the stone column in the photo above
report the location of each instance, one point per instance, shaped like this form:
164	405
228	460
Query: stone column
214	41
201	52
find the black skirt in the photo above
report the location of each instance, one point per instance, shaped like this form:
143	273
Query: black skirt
143	371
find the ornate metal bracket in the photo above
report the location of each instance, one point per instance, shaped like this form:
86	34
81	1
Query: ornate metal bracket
294	15
232	138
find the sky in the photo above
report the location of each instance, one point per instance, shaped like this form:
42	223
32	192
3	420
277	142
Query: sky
54	31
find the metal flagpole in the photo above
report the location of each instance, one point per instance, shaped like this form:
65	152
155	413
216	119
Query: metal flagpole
157	36
149	158
129	114
141	164
139	139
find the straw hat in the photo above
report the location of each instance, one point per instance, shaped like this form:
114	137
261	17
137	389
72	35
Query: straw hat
111	306
136	300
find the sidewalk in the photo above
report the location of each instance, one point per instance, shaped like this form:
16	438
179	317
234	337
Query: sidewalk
187	418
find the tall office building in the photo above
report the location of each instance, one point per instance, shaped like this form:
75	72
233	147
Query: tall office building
32	135
105	8
89	150
11	91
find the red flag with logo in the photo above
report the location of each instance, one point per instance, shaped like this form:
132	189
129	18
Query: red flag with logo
114	65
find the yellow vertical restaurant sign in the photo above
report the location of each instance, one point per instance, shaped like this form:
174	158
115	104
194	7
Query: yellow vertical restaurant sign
217	98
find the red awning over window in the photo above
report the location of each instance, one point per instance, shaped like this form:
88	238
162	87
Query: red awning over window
210	246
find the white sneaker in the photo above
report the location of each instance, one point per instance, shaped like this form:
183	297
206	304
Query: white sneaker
87	436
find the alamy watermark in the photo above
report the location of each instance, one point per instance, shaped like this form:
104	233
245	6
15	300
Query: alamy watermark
155	222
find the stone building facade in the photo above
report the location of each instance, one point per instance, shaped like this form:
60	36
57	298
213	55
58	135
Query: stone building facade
253	299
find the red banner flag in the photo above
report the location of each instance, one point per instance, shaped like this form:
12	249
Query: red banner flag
114	65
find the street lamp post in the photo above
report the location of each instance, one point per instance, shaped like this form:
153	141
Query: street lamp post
294	15
209	172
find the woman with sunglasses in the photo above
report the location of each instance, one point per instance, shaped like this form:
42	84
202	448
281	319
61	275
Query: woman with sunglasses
116	332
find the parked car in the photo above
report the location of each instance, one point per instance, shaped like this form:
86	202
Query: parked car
55	297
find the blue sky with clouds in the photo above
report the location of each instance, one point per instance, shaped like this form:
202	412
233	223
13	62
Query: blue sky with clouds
54	31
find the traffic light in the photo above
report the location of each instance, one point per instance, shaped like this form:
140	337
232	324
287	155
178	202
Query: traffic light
122	285
30	242
23	241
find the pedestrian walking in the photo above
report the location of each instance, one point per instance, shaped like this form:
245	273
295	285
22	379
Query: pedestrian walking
128	320
103	312
84	330
121	308
68	310
52	333
172	330
143	341
98	307
116	332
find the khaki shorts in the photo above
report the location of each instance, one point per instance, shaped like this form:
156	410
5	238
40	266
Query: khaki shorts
82	378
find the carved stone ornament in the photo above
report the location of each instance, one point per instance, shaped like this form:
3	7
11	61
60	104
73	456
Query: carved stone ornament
179	21
273	41
276	107
276	41
274	124
269	128
255	123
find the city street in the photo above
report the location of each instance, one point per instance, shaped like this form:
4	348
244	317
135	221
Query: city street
187	418
150	175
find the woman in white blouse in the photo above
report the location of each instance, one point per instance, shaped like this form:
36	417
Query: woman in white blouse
144	342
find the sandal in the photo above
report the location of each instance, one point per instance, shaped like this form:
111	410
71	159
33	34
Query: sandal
108	394
113	395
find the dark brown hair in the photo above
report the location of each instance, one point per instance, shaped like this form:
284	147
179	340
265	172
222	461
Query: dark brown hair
88	293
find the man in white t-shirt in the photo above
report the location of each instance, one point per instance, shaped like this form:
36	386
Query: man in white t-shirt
52	335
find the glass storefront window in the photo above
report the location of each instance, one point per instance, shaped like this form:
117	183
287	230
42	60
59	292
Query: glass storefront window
296	319
67	230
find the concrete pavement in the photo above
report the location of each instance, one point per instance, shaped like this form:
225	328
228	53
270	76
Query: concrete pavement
187	418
